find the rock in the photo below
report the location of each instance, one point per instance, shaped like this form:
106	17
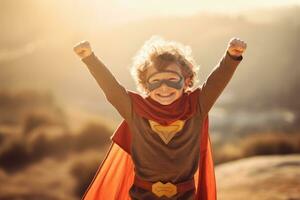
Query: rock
260	177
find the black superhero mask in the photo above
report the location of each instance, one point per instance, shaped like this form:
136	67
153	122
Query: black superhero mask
174	84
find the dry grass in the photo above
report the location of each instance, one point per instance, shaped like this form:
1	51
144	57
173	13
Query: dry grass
20	151
40	130
264	143
271	143
84	171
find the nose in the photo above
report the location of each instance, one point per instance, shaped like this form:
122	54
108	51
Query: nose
164	87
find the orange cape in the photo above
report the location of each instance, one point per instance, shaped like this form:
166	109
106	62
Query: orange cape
115	175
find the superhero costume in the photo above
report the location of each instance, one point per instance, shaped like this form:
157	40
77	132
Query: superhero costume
115	175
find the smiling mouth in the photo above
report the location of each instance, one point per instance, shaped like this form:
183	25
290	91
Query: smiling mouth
164	96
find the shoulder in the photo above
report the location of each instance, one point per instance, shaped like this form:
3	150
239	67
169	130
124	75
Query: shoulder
134	94
194	92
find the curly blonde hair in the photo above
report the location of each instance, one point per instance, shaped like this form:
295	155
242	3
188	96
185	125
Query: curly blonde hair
159	53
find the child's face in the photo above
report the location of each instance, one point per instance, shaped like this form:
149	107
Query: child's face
169	91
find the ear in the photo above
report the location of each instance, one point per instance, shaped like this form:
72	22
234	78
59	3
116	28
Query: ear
187	83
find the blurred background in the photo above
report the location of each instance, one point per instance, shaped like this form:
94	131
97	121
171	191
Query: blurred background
55	123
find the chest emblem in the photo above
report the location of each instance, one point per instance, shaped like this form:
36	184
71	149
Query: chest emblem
166	133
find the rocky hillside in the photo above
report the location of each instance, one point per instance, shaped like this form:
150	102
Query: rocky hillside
261	177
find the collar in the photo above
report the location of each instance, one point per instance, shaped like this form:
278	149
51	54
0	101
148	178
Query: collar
181	109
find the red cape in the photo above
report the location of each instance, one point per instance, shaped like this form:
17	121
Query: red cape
115	175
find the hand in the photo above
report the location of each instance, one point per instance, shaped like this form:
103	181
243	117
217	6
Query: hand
236	47
83	49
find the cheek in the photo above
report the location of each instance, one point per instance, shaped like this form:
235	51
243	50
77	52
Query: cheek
179	93
152	93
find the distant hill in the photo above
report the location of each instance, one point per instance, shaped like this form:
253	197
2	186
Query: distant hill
38	54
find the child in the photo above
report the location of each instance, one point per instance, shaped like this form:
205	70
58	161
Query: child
161	150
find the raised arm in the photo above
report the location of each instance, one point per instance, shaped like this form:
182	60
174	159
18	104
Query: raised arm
114	92
221	75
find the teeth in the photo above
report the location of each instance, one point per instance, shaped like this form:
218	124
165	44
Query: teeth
165	95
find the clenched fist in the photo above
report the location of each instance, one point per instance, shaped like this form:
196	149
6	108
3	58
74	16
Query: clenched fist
83	49
236	47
